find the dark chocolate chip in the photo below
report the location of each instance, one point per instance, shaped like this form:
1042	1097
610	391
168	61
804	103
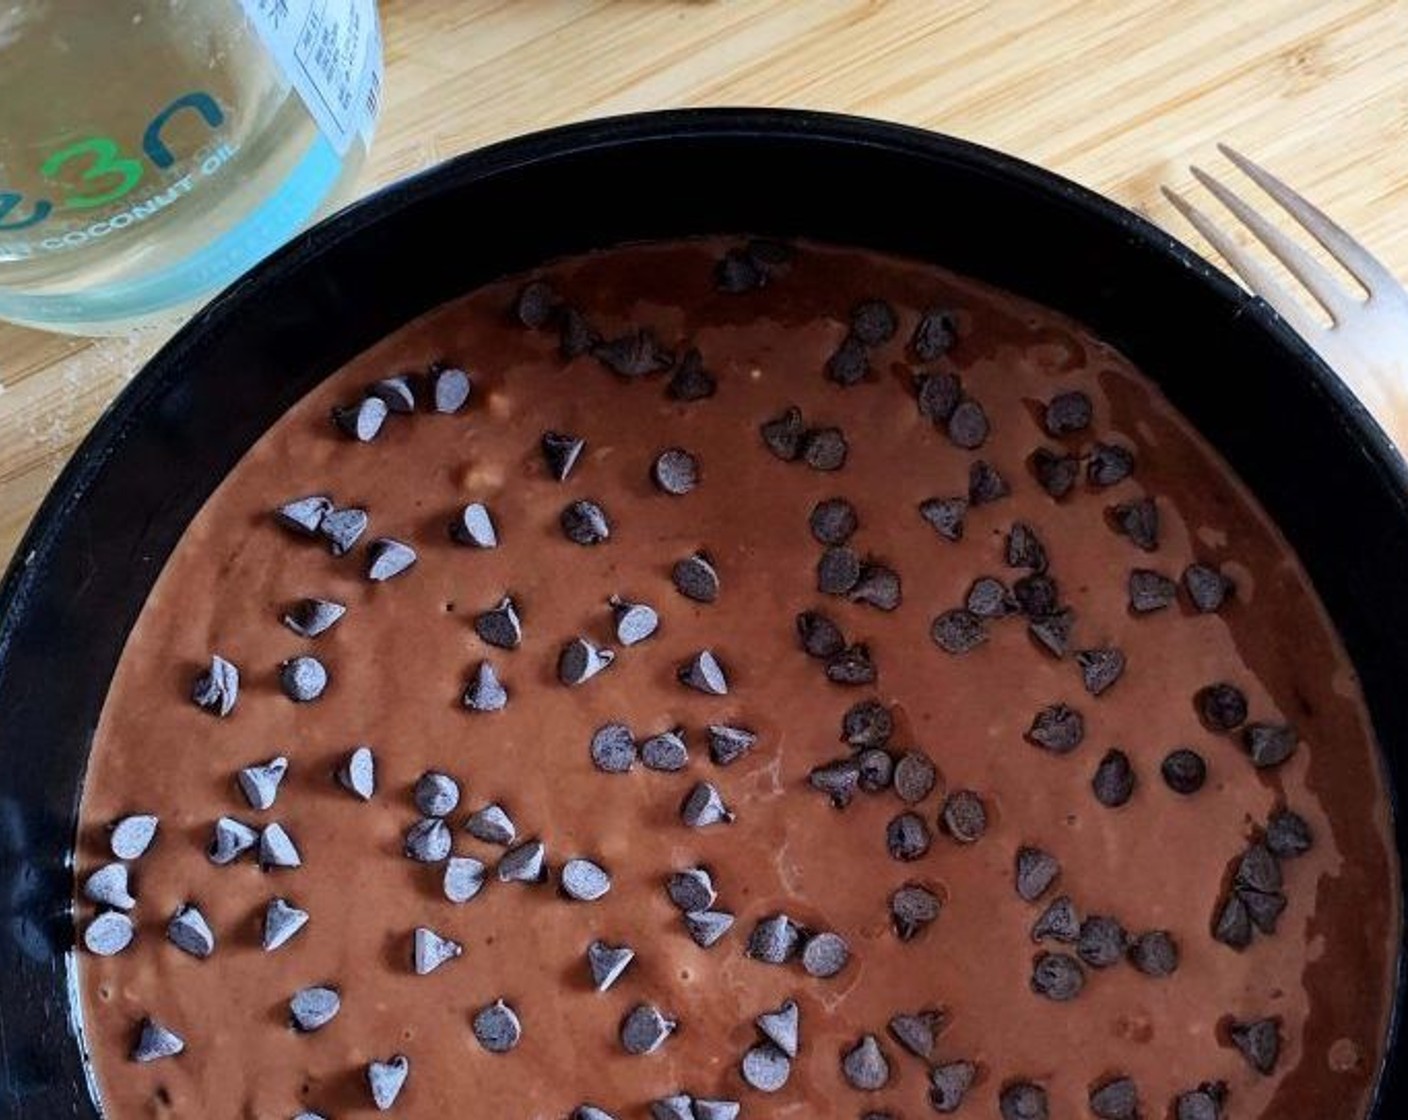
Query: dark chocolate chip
579	661
838	570
309	618
964	816
645	1029
1259	1042
584	880
109	934
1259	870
874	322
1233	924
782	435
695	577
917	1033
155	1041
1150	591
765	1068
500	626
229	840
560	453
934	334
1037	595
989	598
907	837
1057	977
1155	954
849	363
591	1112
728	744
958	631
838	780
1139	521
277	849
357	775
1058	729
492	825
704	806
397	393
1036	870
526	863
1269	744
109	886
1264	910
833	520
449	389
536	305
638	353
949	1084
782	1027
867	723
912	909
819	636
1207	588
1100	668
824	955
968	426
342	528
1052	632
387	558
678	1107
985	484
1022	1101
1114	780
690	381
428	840
1055	473
429	950
132	835
575	334
363	420
1288	835
692	889
1203	1103
303	679
945	516
1024	548
281	921
1058	922
824	449
606	963
304	515
634	621
1066	413
937	395
1102	941
311	1009
1221	706
464	878
497	1028
675	471
217	689
585	522
706	927
436	794
666	752
738	272
865	1066
704	673
1184	771
1116	1099
613	748
852	666
1109	464
878	586
485	693
915	777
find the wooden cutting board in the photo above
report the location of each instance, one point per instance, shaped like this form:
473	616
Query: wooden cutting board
1119	94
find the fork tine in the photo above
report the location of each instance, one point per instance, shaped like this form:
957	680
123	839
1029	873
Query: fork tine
1327	291
1362	264
1258	278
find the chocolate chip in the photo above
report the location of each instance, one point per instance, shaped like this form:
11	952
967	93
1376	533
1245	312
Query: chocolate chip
985	484
428	840
500	626
937	395
824	449
463	879
865	1066
1221	706
155	1041
363	420
964	817
1117	1099
1037	595
485	693
934	334
1114	781
833	521
580	661
1269	744
537	304
1057	977
989	598
357	774
849	363
838	780
838	571
968	426
342	528
1288	835
436	794
497	1028
1184	771
561	452
678	1107
1204	1103
584	880
637	353
1100	668
705	927
303	679
304	515
634	621
613	748
907	837
1264	910
526	863
388	558
1207	587
774	940
1154	954
819	636
666	752
1052	632
575	334
449	389
695	577
1150	591
915	777
1024	548
1058	922
109	934
492	825
728	744
1139	521
1259	1042
878	586
281	921
1022	1101
585	523
690	380
590	1112
217	688
1233	924
109	886
1036	870
645	1029
704	673
311	1009
825	954
873	322
606	963
691	889
1109	464
1102	941
310	617
397	393
867	723
190	932
738	272
958	631
132	835
1055	473
782	1027
916	1033
430	950
949	1083
675	471
875	770
704	806
945	516
1259	870
229	840
1066	413
912	909
765	1068
1058	729
277	849
782	435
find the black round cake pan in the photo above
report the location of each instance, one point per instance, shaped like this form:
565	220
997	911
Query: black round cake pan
1286	424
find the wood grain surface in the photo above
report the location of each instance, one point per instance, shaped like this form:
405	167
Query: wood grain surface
1119	94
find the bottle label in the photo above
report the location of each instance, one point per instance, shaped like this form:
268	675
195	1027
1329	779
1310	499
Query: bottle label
330	51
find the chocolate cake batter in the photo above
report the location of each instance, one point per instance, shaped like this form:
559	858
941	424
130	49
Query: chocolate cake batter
399	661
